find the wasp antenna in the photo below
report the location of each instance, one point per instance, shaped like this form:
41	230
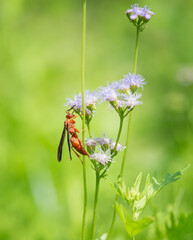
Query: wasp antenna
71	108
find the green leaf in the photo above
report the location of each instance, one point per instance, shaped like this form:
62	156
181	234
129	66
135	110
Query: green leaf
120	211
138	201
153	186
133	227
120	188
137	182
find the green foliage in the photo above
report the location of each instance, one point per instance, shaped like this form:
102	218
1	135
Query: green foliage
133	227
178	227
40	67
138	200
181	228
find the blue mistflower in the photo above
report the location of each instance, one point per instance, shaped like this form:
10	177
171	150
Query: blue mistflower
102	157
119	147
131	100
104	141
139	16
130	81
122	95
91	99
108	93
137	11
135	81
89	142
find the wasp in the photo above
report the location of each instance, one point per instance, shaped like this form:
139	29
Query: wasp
73	140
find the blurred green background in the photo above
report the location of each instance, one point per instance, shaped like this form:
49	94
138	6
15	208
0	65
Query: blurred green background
40	47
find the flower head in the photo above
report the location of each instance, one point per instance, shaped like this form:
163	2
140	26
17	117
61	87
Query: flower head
139	16
135	81
122	94
102	157
90	142
118	148
131	81
131	100
91	99
105	141
108	93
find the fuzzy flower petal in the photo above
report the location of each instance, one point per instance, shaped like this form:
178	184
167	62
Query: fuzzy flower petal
91	99
130	81
137	11
108	93
131	100
90	142
102	157
118	148
134	80
104	141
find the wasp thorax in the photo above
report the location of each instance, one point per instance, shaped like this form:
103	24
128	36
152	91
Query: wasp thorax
70	115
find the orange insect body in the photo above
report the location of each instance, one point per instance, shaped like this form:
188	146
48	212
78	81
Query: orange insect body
76	143
69	122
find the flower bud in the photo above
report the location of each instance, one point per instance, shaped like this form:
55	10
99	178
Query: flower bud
139	16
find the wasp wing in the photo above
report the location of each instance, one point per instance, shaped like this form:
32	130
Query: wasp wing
68	138
59	155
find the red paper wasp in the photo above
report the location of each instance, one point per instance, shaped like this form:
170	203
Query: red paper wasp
74	142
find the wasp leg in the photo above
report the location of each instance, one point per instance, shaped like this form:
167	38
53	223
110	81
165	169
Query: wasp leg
76	116
77	154
78	130
82	130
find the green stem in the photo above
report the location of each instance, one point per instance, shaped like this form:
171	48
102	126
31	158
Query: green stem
127	143
113	221
119	134
83	109
89	132
136	52
130	114
95	205
117	141
127	139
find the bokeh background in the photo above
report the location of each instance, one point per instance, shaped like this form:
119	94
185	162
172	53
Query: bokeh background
40	47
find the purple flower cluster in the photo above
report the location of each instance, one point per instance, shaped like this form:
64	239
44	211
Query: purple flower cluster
103	144
102	157
122	94
139	16
108	93
91	99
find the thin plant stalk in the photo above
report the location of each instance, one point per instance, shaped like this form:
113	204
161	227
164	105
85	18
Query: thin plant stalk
136	52
83	111
130	114
119	133
113	220
127	143
98	180
95	205
89	132
117	140
127	138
